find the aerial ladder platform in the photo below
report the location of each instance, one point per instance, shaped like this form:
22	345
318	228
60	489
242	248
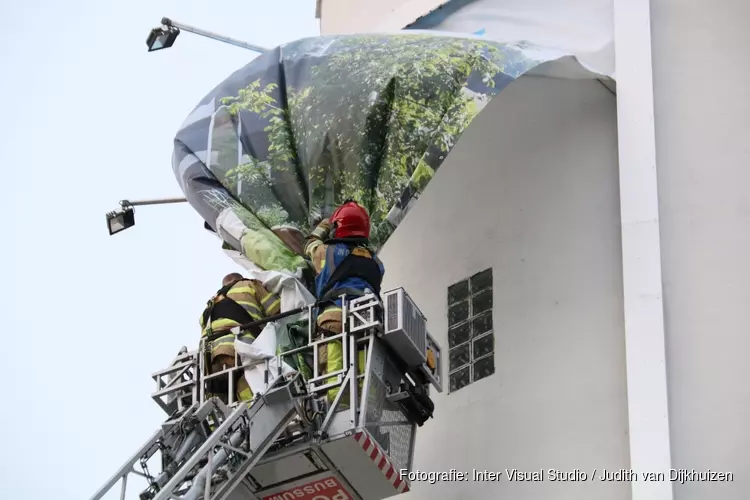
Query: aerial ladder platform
290	442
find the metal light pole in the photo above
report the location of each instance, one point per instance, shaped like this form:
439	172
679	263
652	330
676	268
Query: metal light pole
160	38
154	201
120	220
164	36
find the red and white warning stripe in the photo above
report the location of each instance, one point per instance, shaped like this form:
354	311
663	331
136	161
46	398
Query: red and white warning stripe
380	459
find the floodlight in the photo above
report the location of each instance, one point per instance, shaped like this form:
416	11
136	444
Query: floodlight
120	220
162	38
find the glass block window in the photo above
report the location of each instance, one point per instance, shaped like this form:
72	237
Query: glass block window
471	341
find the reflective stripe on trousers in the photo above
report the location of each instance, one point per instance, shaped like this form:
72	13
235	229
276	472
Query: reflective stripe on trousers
335	363
331	355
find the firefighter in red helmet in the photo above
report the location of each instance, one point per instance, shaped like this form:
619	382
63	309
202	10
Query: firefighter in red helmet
345	265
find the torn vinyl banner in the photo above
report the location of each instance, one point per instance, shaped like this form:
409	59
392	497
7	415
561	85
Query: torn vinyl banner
284	140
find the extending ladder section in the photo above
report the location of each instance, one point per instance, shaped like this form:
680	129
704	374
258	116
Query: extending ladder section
211	443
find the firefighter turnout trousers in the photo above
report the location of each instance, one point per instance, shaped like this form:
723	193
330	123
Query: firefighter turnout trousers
330	354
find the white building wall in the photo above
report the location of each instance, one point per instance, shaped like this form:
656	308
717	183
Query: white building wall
702	121
702	118
531	190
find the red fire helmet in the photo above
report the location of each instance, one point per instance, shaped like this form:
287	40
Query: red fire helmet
351	220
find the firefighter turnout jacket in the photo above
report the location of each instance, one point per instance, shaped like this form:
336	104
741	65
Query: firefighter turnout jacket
238	303
345	266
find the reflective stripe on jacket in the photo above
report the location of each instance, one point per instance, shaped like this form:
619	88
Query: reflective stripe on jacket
256	302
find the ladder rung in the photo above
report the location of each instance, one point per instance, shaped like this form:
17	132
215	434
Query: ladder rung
171	369
173	388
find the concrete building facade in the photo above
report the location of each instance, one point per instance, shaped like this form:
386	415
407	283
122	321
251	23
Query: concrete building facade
617	232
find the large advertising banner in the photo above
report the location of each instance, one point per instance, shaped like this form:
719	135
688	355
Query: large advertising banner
584	28
281	142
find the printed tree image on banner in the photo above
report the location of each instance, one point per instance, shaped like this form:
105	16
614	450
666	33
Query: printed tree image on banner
281	142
